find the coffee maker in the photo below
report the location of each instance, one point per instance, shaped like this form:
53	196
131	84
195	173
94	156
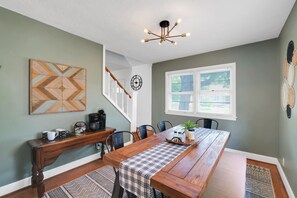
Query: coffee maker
97	120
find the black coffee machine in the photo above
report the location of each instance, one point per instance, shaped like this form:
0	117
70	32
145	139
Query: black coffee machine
97	120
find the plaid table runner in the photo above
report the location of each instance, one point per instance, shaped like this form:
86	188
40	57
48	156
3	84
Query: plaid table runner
136	172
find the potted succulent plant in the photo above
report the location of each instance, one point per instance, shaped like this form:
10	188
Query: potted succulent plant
189	126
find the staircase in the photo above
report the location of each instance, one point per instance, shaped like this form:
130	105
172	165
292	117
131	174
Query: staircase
115	92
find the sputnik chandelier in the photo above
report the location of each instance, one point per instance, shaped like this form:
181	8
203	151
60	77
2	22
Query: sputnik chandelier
165	33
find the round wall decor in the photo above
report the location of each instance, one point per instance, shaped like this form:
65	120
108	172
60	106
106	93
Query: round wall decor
291	75
136	82
287	89
284	94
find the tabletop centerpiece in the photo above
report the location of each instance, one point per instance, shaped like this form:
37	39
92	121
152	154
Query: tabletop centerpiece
189	127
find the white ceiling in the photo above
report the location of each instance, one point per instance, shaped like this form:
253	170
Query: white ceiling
119	24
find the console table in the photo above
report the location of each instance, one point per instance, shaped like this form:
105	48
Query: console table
46	152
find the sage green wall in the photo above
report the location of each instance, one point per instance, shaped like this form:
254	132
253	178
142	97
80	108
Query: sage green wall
22	38
288	127
257	94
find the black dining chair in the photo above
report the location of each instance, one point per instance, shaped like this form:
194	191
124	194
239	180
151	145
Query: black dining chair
143	129
143	133
115	141
208	123
164	125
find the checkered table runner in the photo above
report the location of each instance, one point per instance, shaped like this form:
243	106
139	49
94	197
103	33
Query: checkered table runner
136	172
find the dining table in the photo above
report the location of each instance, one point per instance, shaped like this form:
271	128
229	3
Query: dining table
187	175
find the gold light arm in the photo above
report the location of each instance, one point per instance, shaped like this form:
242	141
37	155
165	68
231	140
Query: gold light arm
171	29
171	41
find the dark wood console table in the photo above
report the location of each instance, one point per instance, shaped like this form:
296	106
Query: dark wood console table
46	152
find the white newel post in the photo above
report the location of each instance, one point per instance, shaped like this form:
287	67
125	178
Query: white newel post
108	86
134	111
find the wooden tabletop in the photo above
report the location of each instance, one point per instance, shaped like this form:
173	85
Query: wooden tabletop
39	143
188	174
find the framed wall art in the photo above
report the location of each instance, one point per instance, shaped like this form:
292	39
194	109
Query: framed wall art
56	88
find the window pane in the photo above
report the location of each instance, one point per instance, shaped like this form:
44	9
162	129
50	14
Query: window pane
182	83
215	81
218	103
183	102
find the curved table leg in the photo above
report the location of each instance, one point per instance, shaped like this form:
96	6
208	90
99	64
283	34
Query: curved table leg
34	176
102	149
40	184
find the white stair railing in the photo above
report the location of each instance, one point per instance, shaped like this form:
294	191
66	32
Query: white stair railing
118	95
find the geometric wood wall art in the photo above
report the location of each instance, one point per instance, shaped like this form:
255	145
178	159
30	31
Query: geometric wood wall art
287	90
56	88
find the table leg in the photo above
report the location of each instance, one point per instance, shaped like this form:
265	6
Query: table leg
117	191
40	184
34	176
102	149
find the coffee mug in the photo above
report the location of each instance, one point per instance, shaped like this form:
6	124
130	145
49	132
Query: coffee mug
51	135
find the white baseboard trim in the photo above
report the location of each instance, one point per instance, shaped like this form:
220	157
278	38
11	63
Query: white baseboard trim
267	159
285	181
47	174
253	156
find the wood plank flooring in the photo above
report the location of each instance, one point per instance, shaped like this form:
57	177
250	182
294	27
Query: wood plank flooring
58	180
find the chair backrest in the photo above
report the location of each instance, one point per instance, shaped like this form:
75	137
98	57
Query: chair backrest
207	123
143	130
162	125
116	140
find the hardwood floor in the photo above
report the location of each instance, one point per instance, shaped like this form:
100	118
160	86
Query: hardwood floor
28	192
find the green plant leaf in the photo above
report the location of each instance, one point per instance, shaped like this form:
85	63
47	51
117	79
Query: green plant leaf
189	125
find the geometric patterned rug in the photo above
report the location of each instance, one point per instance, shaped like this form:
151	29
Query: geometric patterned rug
258	182
99	184
96	184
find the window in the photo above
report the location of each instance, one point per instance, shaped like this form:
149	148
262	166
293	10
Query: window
208	92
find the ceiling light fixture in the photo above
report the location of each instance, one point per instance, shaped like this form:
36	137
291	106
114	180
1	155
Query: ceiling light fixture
165	33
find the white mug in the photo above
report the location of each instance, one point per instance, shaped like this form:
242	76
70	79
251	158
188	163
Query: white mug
51	135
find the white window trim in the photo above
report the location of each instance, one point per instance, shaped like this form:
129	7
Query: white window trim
196	72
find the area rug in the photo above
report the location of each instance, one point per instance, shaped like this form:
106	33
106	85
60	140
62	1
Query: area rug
99	184
96	184
258	182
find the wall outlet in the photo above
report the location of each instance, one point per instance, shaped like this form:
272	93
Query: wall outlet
283	161
98	146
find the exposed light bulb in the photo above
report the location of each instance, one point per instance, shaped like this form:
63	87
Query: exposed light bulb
160	43
185	34
147	31
145	40
188	34
178	21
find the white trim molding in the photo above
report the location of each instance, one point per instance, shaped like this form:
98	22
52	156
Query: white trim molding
215	91
267	159
9	188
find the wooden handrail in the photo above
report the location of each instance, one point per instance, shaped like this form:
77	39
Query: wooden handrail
120	85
